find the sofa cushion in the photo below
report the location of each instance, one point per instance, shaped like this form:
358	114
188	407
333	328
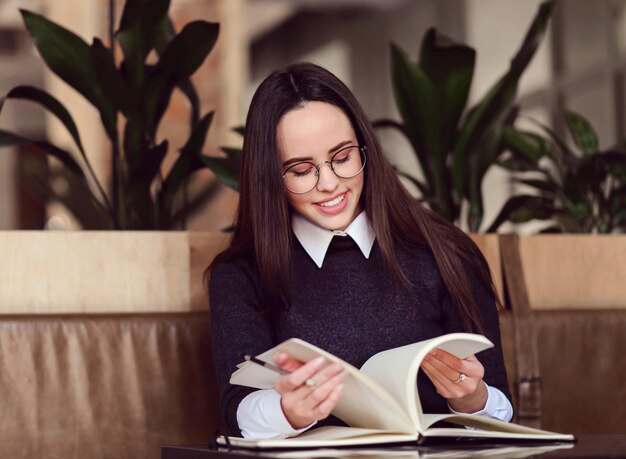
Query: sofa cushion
105	386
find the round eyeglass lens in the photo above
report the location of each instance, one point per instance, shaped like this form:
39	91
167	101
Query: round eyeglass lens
346	163
301	177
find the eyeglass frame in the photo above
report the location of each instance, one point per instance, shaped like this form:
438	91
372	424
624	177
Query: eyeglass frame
330	163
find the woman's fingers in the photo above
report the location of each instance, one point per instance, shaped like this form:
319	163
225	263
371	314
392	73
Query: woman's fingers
318	380
452	366
445	370
442	383
285	362
324	385
323	410
450	360
292	381
441	389
304	403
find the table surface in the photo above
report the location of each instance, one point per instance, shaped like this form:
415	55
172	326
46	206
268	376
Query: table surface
586	446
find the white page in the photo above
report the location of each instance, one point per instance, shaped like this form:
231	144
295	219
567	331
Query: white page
395	370
252	375
495	426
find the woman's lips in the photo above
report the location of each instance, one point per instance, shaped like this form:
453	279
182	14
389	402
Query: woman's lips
335	209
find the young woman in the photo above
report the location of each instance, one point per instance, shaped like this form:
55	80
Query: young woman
329	247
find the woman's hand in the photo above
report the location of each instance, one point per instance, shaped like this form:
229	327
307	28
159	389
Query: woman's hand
460	381
310	391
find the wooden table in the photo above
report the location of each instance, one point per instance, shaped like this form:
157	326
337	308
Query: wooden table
587	446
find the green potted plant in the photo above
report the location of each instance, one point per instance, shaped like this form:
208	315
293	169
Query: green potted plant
455	146
131	98
580	190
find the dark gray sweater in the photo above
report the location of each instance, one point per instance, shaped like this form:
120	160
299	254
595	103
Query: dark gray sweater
350	307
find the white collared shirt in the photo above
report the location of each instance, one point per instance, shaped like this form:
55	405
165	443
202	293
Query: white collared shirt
316	239
259	414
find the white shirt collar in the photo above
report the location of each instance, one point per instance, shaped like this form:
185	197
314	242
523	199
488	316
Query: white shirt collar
316	239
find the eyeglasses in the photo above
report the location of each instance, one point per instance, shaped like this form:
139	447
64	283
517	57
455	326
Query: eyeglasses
347	163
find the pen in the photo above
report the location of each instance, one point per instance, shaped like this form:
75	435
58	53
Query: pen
264	364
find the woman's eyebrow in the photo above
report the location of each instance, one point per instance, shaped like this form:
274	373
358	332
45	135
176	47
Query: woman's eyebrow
339	145
310	158
297	160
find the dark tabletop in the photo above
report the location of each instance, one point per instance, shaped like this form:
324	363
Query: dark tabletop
586	446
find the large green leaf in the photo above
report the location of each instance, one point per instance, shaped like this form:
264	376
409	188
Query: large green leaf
516	164
521	209
450	66
135	143
51	104
482	122
533	37
140	25
227	169
490	113
417	104
478	165
179	60
546	186
582	132
241	130
113	85
164	36
188	50
188	161
149	165
69	57
526	145
55	107
8	139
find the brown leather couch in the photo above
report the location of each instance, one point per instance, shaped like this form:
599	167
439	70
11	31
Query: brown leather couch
105	386
122	385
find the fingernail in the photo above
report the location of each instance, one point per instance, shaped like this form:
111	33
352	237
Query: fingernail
433	352
339	388
318	361
280	357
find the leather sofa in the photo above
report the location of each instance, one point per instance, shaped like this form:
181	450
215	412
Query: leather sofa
122	385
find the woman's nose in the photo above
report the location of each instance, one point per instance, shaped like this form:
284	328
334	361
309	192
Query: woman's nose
327	180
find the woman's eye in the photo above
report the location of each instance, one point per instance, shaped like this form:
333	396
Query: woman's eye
339	159
302	170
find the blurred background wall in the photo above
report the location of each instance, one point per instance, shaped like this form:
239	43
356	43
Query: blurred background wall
581	65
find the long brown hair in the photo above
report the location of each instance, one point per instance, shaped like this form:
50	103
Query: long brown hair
263	226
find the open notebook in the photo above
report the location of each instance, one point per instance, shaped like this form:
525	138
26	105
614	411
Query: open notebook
380	402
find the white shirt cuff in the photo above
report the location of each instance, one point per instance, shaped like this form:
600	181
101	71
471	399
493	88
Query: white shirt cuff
260	415
497	405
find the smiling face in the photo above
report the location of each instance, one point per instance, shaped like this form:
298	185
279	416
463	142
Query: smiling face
313	133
